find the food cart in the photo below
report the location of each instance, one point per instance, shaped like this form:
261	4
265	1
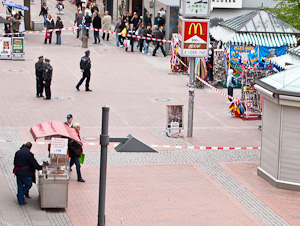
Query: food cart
54	179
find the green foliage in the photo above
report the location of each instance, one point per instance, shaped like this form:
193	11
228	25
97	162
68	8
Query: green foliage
288	11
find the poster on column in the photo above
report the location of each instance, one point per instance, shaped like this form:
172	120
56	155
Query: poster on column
241	55
5	46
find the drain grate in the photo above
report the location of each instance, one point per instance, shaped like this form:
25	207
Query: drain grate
15	71
162	99
64	98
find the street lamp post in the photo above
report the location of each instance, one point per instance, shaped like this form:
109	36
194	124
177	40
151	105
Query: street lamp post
104	141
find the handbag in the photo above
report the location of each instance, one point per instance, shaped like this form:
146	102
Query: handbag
81	158
126	43
47	35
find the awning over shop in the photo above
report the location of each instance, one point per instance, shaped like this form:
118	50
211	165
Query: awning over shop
286	61
258	28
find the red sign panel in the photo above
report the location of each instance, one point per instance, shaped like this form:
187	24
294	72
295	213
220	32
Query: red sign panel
198	29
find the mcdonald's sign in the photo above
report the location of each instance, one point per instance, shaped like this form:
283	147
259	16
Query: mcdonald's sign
194	37
195	26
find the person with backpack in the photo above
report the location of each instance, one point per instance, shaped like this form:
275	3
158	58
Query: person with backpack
85	66
231	83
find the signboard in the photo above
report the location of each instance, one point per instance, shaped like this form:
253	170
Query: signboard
227	4
174	116
59	146
5	46
18	45
246	55
195	8
193	37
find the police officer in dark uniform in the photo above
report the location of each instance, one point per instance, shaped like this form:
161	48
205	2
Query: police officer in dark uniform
47	79
85	66
39	72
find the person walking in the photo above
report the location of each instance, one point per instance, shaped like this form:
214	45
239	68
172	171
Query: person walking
87	23
122	8
85	66
44	12
78	22
131	31
47	79
96	25
231	83
58	25
106	24
39	73
69	121
148	34
24	168
117	29
75	151
159	35
49	25
94	7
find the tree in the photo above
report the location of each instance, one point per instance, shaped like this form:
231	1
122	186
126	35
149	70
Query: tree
288	11
27	19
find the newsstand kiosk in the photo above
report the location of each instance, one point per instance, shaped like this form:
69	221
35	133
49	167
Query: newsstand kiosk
53	181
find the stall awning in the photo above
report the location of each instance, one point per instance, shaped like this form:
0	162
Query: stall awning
256	39
286	61
53	129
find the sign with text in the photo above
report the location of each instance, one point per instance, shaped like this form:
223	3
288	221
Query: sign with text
18	45
59	146
193	37
227	4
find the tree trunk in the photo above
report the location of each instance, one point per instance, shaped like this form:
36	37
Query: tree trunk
27	18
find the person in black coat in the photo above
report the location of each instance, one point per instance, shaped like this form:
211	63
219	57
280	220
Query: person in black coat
96	25
85	66
47	79
49	25
75	151
39	73
159	35
24	168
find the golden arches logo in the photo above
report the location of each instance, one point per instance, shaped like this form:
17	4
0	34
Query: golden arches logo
195	28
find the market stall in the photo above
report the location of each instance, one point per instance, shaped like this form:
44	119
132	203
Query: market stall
250	41
53	181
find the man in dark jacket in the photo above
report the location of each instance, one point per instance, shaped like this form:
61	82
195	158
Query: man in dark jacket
159	35
85	66
78	22
75	151
25	166
47	79
39	73
96	25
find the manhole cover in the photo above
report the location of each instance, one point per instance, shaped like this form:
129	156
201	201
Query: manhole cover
162	99
90	138
64	98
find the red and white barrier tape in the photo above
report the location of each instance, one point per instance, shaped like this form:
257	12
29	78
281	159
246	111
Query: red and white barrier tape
89	28
157	146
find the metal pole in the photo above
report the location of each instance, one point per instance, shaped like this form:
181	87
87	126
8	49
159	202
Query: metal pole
191	97
104	141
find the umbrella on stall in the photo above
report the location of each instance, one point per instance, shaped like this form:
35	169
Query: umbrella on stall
3	21
14	5
53	129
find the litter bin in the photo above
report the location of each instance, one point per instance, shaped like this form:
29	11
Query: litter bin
37	25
